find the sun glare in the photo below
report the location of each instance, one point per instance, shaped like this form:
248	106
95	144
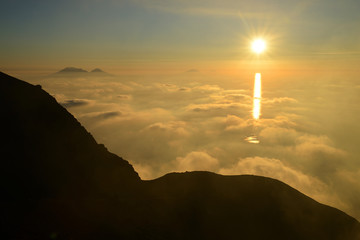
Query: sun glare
258	46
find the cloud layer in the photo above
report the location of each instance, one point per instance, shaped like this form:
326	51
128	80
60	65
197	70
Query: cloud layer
192	122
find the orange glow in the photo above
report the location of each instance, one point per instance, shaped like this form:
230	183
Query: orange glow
257	97
252	139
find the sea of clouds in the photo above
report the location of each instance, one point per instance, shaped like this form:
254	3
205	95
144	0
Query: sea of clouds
308	129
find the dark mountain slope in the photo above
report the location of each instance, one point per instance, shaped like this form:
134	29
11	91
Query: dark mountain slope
245	207
58	183
48	152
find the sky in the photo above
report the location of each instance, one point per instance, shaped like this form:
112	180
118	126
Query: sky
179	93
136	35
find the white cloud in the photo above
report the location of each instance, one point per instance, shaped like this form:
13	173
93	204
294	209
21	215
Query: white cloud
274	168
278	136
178	128
197	161
233	123
318	156
279	100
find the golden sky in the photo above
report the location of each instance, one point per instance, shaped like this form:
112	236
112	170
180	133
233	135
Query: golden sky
167	36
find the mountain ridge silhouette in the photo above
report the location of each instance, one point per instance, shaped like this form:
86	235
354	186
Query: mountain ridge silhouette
57	182
72	70
75	70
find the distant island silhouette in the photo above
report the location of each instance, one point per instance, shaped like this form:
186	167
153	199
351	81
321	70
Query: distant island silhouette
97	70
74	70
57	182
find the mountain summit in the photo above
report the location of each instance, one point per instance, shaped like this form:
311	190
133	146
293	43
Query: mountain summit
57	182
69	71
97	70
72	70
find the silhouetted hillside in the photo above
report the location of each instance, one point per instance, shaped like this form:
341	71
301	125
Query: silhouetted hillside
47	149
245	207
57	182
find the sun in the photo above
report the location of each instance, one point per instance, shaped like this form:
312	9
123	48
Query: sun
258	45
